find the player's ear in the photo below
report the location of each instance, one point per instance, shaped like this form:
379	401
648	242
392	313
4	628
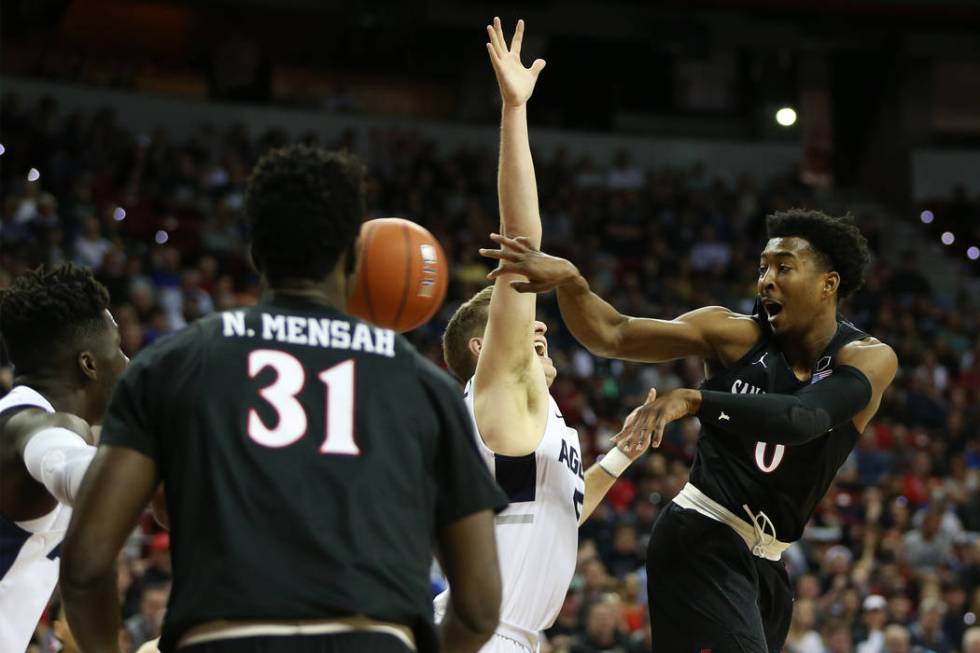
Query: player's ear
831	283
475	345
87	365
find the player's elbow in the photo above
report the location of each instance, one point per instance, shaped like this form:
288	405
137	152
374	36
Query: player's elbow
81	569
800	425
604	342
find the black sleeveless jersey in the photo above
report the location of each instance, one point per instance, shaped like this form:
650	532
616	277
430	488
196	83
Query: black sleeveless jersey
786	482
309	461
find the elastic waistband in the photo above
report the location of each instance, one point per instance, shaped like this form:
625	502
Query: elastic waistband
219	630
521	636
761	543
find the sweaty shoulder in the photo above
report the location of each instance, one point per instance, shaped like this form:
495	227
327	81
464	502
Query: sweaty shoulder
876	359
23	424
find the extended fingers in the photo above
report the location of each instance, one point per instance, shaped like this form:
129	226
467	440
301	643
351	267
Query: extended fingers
501	254
497	37
519	243
515	43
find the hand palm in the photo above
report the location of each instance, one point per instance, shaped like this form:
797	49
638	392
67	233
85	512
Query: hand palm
516	82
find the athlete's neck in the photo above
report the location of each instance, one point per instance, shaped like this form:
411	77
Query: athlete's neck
802	351
329	293
65	397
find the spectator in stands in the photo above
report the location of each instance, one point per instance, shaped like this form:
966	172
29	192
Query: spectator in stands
927	631
875	618
145	625
602	630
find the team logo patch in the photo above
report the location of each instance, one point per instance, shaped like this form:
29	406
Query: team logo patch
822	370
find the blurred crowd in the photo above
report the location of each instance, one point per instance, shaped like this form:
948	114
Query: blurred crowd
891	560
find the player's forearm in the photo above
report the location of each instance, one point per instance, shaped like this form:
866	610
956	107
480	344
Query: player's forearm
591	319
516	184
790	419
92	608
459	636
597	483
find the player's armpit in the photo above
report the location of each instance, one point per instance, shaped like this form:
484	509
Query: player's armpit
790	419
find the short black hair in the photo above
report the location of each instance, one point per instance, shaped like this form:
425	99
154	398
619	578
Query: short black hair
836	240
47	309
304	207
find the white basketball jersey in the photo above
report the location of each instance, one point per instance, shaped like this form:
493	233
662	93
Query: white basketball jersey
28	553
537	535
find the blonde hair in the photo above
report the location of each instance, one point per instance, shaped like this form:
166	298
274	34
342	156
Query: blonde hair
469	321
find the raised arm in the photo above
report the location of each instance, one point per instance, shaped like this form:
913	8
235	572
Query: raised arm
713	333
510	389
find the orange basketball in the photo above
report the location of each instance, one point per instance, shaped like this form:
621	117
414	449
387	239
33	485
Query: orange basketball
402	275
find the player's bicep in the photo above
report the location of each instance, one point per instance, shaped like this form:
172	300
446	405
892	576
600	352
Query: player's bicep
116	489
712	332
879	363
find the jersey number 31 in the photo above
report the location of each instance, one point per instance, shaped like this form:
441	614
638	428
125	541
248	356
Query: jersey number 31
291	422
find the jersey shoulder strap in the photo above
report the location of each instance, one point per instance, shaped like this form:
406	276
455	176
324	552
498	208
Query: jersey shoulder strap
846	333
22	396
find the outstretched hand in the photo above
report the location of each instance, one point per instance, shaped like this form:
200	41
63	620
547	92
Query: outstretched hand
517	256
645	425
516	82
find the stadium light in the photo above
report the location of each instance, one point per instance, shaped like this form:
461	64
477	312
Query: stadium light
973	253
948	238
927	216
2	149
33	174
161	237
119	214
786	116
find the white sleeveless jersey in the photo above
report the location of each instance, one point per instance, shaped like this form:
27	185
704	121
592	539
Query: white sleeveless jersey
537	535
29	553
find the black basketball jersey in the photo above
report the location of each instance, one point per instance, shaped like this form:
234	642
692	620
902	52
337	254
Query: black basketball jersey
309	459
786	482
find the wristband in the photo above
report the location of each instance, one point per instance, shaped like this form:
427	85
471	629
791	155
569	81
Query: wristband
615	462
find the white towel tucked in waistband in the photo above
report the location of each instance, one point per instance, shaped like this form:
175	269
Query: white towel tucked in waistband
759	535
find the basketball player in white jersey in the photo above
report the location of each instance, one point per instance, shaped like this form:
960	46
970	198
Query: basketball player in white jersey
494	343
64	345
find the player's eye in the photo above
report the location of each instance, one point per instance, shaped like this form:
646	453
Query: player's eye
784	268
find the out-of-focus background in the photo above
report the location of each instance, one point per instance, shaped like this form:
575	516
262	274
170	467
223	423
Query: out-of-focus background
663	133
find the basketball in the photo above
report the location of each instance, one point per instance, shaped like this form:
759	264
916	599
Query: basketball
402	275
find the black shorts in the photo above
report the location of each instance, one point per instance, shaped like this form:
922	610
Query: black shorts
708	593
334	643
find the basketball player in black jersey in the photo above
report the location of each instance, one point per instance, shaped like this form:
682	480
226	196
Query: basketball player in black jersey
788	391
310	460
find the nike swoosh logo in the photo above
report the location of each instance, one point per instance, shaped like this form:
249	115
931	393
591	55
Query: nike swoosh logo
559	416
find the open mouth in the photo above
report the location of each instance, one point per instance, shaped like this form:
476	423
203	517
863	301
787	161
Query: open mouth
772	308
540	347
